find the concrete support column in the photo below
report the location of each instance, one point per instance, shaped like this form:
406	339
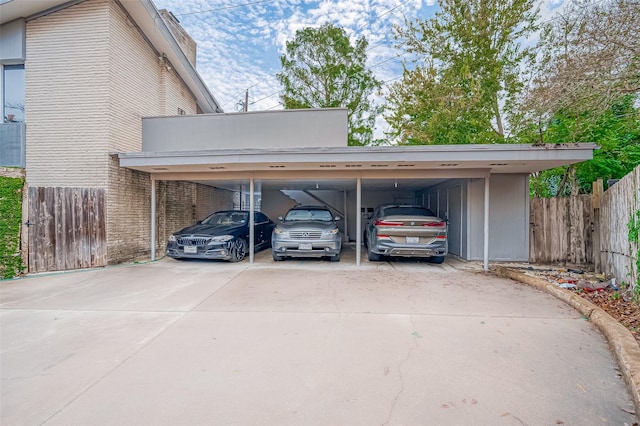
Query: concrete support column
153	219
252	220
358	219
486	223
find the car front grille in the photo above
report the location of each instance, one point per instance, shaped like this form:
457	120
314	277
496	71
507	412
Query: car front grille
193	241
305	235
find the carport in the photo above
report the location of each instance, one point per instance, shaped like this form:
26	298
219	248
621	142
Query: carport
305	151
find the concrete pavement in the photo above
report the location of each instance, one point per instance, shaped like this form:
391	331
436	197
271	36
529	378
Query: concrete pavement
299	342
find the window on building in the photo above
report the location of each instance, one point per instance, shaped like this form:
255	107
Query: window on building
13	90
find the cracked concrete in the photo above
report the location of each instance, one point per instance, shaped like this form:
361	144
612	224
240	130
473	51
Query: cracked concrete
299	342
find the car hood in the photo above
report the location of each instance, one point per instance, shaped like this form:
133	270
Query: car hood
202	229
307	224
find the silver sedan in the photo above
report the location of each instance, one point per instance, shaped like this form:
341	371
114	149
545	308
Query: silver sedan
406	231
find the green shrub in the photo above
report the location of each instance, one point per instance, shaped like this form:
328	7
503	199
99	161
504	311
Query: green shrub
10	218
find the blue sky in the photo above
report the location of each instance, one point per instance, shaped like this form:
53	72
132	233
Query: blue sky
240	41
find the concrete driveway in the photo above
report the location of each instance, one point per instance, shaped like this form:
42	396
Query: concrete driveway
299	343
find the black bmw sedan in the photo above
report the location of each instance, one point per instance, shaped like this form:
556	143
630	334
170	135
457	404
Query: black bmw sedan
222	235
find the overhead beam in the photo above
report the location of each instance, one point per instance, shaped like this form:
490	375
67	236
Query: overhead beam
329	175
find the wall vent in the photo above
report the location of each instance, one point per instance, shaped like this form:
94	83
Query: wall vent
217	167
448	164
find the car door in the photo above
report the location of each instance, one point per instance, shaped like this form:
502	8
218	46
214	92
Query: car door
261	226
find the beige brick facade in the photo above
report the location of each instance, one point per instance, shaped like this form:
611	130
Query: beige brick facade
90	78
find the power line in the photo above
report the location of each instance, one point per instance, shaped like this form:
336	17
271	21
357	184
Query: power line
224	8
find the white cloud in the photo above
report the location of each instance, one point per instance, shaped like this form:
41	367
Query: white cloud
239	46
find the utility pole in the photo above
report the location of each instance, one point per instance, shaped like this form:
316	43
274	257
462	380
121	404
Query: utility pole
242	105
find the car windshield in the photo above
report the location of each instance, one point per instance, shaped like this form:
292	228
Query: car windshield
406	211
226	218
308	214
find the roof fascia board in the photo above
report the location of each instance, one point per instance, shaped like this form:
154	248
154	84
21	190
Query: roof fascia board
365	154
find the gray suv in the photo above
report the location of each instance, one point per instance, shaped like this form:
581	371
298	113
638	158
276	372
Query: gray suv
307	231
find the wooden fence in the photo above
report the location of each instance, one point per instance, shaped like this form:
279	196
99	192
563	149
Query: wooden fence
561	230
66	229
588	230
617	255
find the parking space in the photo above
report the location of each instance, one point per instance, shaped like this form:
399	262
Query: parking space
302	341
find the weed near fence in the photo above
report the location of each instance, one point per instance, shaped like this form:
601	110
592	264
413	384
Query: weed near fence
10	217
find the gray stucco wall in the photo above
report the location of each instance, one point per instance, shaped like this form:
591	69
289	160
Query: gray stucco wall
265	129
508	210
509	217
437	198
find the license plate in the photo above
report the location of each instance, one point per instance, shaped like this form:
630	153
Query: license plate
305	246
190	249
413	240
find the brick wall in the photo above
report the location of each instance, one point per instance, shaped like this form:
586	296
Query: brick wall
90	78
183	38
67	99
140	85
210	199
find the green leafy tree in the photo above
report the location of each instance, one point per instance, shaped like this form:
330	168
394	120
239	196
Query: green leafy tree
616	131
322	69
464	71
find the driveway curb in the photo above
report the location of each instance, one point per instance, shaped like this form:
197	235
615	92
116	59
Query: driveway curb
623	344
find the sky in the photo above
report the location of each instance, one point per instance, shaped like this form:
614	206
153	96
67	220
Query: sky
240	41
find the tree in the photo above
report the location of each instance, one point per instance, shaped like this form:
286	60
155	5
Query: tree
464	71
616	131
322	69
590	58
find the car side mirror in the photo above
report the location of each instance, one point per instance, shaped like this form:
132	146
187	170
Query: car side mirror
337	218
280	218
199	222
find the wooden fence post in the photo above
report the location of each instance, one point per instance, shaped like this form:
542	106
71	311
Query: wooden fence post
598	189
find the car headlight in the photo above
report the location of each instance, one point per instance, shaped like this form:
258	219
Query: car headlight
172	238
281	232
331	232
221	239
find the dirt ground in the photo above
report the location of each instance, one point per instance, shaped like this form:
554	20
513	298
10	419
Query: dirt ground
613	299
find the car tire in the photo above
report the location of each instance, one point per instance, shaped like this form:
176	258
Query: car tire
239	250
436	259
373	257
276	257
335	258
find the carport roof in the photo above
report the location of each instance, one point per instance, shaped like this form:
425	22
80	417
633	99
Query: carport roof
448	160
